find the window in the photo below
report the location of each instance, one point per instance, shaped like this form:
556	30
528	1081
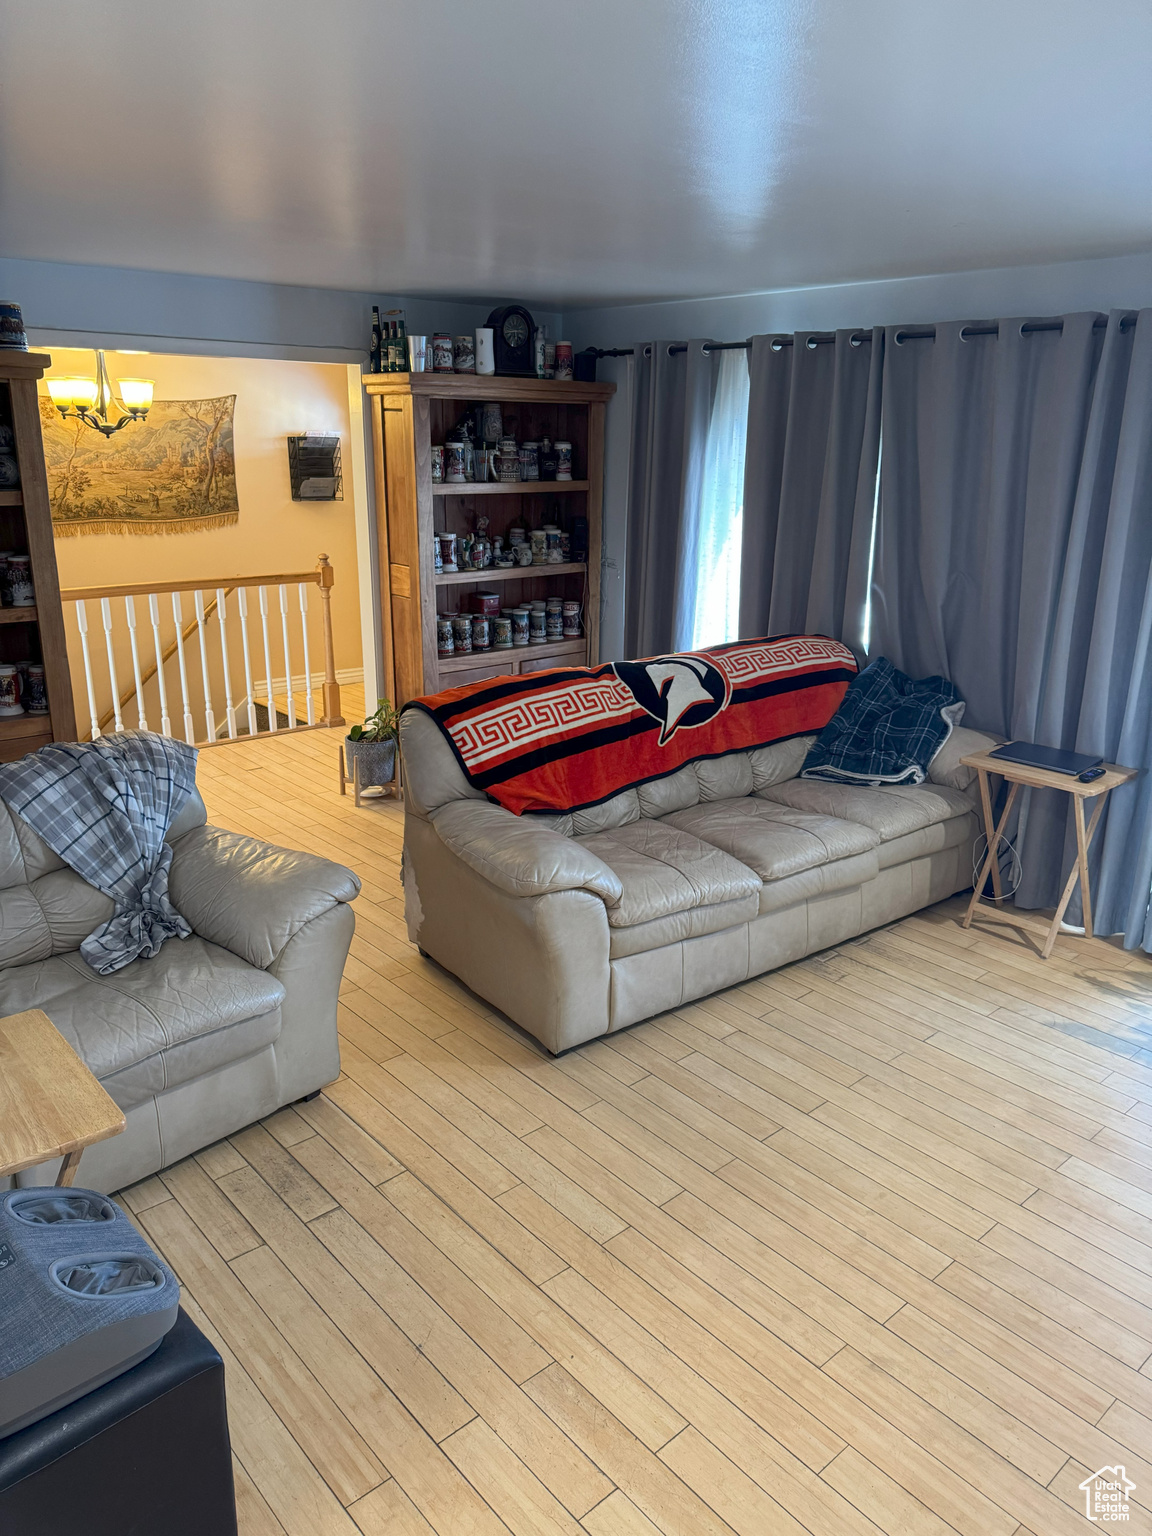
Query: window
716	615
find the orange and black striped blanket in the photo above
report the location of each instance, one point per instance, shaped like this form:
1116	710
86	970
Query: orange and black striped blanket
572	737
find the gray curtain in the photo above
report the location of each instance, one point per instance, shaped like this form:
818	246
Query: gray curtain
671	406
810	482
1014	555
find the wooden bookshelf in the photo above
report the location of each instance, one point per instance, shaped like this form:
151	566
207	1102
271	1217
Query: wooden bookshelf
37	633
411	412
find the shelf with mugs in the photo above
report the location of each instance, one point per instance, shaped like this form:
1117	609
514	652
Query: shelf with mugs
509	488
511	573
414	414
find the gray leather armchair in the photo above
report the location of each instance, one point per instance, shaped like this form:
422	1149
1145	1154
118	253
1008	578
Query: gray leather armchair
217	1030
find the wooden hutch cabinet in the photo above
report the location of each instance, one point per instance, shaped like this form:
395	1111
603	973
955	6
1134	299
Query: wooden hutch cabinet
410	413
34	634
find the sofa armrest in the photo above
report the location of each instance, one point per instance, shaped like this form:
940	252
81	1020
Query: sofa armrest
520	857
946	767
252	897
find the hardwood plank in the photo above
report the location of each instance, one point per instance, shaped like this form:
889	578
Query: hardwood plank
210	1209
418	1385
294	1491
388	1511
656	1491
498	1475
331	1443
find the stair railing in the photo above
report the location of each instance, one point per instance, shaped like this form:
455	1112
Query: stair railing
214	647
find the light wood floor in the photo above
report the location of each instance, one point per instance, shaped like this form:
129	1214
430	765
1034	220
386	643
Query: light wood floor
862	1246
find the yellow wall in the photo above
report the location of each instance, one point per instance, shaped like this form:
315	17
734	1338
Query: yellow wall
274	533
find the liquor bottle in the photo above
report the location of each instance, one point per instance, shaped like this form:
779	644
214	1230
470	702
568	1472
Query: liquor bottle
374	355
402	350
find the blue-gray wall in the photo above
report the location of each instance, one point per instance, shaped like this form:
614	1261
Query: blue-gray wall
170	312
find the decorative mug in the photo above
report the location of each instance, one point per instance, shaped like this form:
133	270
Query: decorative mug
563	460
36	701
520	626
524	554
463	354
441	352
481	632
502	628
417	354
454	461
10	690
462	633
9	469
437	464
485	351
12	335
537	627
19	581
539	546
563	359
445	645
571	615
448	552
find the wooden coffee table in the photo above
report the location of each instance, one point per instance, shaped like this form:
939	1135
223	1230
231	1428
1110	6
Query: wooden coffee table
50	1104
1022	775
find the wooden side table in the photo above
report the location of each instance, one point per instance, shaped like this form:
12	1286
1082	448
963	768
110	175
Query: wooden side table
1021	775
50	1104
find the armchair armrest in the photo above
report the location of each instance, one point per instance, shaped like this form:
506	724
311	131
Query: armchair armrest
520	857
252	897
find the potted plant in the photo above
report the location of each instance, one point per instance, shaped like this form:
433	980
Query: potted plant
373	746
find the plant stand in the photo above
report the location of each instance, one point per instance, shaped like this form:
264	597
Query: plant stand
387	791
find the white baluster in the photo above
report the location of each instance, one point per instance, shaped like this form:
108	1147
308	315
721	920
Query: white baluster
178	615
154	616
229	711
267	658
287	657
82	625
130	611
209	713
106	615
307	663
243	596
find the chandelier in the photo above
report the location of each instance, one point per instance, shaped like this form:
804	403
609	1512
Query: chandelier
93	402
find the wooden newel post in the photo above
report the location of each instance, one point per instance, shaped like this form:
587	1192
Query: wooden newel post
332	715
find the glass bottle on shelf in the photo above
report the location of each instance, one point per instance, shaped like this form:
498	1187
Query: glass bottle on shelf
374	354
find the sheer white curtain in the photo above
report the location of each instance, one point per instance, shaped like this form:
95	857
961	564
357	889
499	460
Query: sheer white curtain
714	616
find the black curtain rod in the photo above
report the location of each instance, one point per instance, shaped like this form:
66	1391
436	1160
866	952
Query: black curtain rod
918	333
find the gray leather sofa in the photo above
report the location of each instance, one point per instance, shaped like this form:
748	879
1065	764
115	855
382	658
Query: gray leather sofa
217	1030
576	925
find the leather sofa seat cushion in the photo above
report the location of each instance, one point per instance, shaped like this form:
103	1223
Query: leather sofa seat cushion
663	870
621	810
156	1023
774	840
891	810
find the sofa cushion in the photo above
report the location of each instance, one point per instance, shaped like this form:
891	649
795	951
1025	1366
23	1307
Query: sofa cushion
155	1023
782	760
675	792
725	778
617	812
774	840
682	925
663	870
891	810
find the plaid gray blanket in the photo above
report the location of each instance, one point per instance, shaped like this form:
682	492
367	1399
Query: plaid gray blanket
103	807
887	730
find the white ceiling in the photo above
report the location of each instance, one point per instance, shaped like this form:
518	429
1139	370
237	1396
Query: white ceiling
574	151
